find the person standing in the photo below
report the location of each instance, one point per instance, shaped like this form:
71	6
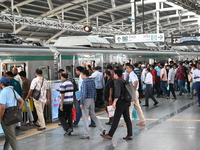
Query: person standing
16	75
149	81
197	79
171	76
132	77
155	81
87	100
17	87
40	83
7	102
158	70
99	85
181	78
121	107
25	88
108	93
163	80
66	104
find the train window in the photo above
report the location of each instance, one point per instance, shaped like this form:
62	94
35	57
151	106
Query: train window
69	70
9	66
151	61
45	72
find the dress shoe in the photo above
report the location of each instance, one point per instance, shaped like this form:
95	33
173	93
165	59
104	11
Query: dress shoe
128	138
92	125
141	124
75	125
155	103
37	125
41	129
106	137
145	105
108	123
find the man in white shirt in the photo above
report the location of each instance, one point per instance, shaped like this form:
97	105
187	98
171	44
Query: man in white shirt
42	85
134	80
16	75
193	85
149	85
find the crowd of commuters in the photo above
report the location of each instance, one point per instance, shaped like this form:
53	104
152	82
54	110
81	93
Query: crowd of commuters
99	89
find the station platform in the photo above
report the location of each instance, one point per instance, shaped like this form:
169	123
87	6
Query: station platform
172	125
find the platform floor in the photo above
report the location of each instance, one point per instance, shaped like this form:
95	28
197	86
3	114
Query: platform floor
172	125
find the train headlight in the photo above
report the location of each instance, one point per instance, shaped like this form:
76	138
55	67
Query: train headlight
87	28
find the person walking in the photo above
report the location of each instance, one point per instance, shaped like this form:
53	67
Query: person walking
197	79
149	85
181	78
121	107
79	70
25	88
87	104
193	85
9	98
132	77
66	104
40	84
171	76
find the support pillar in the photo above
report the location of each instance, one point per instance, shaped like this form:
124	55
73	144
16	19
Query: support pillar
133	15
157	17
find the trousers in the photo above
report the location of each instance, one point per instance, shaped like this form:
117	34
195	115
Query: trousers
149	94
65	117
137	106
10	139
88	109
39	106
122	107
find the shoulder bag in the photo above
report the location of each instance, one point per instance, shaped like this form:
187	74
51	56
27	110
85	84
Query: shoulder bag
12	115
36	93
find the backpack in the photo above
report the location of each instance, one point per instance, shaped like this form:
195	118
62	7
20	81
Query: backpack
74	84
129	91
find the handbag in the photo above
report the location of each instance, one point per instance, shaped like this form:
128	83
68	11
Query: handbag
134	114
36	93
12	115
74	114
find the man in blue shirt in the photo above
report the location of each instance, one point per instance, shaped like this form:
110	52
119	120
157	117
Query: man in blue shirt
87	100
8	99
99	85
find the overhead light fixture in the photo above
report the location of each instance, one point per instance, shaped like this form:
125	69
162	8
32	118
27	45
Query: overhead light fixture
87	28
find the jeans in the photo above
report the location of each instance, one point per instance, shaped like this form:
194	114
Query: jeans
181	84
192	89
79	115
163	86
171	89
198	91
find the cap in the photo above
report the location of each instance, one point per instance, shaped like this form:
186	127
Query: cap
142	65
5	80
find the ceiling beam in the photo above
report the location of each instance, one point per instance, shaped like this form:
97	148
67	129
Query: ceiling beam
51	7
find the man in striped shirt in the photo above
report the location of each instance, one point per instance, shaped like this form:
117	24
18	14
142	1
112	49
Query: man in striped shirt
66	104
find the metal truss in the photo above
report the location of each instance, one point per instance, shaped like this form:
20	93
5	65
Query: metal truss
27	21
191	5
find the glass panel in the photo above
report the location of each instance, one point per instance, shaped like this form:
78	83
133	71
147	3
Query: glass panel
45	72
69	70
9	66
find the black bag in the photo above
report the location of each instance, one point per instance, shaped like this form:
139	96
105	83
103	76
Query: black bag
12	115
74	84
129	91
36	93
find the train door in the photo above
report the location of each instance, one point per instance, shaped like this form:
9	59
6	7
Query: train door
9	66
69	70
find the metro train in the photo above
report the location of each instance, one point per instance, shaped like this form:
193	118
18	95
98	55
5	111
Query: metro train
51	58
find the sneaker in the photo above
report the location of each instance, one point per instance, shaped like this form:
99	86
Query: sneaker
84	138
41	129
141	124
92	125
68	131
75	125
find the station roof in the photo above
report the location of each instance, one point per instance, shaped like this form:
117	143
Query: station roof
49	19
